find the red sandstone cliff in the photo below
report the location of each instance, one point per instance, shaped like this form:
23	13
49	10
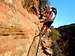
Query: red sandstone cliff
18	27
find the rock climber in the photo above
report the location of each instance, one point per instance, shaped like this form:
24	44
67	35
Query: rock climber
50	14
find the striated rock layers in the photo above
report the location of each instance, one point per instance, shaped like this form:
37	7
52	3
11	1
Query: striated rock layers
18	28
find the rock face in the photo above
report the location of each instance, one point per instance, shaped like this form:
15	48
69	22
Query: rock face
18	28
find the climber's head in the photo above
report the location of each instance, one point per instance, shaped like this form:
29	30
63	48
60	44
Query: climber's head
54	10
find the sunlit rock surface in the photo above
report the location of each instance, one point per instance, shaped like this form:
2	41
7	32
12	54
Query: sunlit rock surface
18	28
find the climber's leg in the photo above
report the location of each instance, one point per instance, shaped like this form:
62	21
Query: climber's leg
48	24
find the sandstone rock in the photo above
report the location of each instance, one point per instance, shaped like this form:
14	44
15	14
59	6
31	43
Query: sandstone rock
18	29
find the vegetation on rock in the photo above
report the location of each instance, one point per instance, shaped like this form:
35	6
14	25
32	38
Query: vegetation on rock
64	46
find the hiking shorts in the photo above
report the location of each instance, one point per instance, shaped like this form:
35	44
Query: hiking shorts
48	24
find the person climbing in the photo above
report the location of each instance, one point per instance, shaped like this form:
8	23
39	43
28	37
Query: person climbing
50	14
